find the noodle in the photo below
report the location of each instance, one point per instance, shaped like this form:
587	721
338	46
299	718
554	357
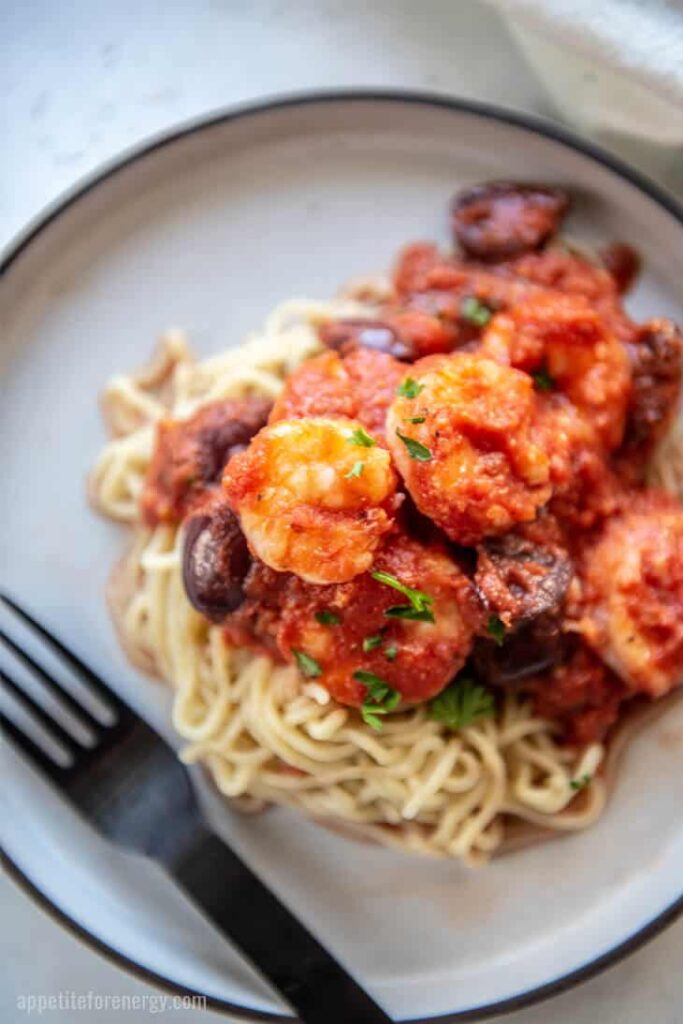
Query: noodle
266	735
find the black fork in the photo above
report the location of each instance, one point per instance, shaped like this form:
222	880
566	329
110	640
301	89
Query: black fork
133	790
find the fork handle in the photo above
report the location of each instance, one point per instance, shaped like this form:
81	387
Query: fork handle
269	935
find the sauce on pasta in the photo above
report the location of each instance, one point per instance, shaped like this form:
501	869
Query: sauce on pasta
397	554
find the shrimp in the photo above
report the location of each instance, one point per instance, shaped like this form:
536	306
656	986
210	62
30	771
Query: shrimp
566	343
633	594
360	386
347	632
585	488
314	497
462	435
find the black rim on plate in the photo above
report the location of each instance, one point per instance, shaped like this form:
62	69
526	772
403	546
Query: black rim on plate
527	122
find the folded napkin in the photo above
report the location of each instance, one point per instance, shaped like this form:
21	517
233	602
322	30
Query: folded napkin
614	68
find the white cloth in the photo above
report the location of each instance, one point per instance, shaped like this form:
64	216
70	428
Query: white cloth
614	68
641	38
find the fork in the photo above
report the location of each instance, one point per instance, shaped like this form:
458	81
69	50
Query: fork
133	790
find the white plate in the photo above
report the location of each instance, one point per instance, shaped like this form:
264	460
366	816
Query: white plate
209	229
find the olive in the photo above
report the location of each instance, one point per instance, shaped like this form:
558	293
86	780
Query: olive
227	428
519	580
216	561
622	262
535	648
656	364
342	335
502	219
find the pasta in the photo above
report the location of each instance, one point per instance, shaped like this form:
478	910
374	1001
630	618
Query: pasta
265	733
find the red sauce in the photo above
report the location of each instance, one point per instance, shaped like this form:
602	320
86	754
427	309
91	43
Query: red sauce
552	452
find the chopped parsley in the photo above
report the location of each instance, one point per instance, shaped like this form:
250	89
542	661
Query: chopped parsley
543	381
462	703
418	599
371	642
361	437
356	470
581	783
327	618
380	699
406	611
475	312
309	666
496	629
416	450
415	419
377	687
390	652
410	388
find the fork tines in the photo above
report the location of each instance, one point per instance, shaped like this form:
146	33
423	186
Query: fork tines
80	714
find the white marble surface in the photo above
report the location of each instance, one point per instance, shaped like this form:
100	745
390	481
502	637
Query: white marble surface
80	80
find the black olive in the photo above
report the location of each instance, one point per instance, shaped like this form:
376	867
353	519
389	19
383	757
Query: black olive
519	580
343	335
502	219
216	561
535	648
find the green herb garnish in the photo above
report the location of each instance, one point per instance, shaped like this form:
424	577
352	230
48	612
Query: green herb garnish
371	642
410	388
462	703
416	450
581	783
381	698
496	629
475	312
378	688
418	599
406	611
390	652
415	419
543	381
361	437
326	618
309	666
356	470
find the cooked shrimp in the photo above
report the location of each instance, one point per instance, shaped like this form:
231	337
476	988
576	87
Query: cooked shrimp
633	594
567	344
344	629
585	488
314	497
461	433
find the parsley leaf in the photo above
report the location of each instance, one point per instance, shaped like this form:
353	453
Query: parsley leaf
390	652
416	450
369	713
462	703
309	666
370	642
581	783
543	381
415	419
326	618
406	611
496	629
475	311
410	388
378	688
361	437
418	599
381	698
356	470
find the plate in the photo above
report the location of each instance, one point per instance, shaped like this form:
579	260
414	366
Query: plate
210	228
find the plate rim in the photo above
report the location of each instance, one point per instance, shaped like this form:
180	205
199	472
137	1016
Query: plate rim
21	241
